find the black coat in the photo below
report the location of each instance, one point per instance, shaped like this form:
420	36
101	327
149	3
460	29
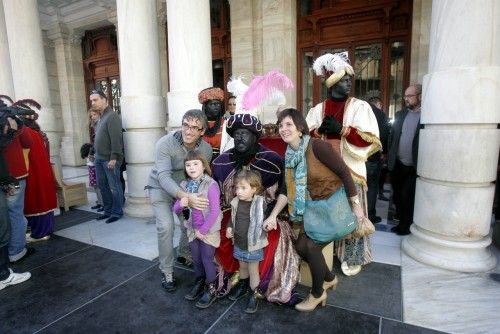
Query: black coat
394	137
383	128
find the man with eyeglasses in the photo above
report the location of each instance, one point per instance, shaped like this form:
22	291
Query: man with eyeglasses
164	189
402	158
108	146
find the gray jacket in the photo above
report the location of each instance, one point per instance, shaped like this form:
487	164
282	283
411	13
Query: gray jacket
394	137
108	141
257	237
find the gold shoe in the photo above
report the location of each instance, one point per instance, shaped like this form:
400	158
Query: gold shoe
310	303
331	285
29	239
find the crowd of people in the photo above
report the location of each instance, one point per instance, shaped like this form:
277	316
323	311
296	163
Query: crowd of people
243	210
28	196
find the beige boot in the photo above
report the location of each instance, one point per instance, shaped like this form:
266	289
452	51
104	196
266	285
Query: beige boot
331	285
310	303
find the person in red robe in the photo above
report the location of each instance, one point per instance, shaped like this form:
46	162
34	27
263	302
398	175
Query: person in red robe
40	200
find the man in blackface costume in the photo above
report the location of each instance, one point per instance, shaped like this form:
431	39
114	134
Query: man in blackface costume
351	127
280	267
212	101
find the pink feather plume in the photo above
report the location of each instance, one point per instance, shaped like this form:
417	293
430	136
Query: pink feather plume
265	86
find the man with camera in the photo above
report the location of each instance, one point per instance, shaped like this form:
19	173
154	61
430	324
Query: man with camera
8	188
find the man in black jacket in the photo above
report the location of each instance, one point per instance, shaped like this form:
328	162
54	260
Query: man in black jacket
402	157
374	163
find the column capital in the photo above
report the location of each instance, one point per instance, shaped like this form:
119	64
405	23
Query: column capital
60	33
113	17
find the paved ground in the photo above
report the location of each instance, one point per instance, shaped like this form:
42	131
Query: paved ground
82	288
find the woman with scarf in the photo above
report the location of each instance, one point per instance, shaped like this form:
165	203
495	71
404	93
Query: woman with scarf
303	156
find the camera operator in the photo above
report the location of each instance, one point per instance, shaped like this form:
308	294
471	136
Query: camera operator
8	129
17	167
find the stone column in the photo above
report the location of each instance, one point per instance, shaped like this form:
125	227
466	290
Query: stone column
6	84
189	55
459	146
29	69
242	38
142	105
68	52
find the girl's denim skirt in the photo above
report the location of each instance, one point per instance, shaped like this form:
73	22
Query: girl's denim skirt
246	256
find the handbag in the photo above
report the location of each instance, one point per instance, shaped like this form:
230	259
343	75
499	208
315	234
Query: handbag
329	219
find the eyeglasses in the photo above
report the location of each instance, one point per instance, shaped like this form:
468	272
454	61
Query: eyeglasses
231	104
410	95
187	127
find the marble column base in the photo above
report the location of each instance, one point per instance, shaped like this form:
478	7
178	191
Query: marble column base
138	207
464	256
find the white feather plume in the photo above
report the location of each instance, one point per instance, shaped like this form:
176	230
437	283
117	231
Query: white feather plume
332	62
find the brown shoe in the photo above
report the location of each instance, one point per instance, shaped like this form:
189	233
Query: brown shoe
310	303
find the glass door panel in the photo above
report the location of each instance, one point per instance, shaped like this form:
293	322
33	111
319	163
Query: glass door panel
368	69
396	78
307	81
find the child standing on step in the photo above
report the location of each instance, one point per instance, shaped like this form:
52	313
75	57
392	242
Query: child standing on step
246	227
203	226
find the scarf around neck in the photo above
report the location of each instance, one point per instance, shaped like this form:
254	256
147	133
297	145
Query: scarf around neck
192	186
296	178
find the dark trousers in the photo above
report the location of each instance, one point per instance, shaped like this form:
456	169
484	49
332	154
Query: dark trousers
203	260
403	179
373	169
311	252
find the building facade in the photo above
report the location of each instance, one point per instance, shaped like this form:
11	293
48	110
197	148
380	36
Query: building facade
152	58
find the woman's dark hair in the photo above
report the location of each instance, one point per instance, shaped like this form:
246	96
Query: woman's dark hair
297	118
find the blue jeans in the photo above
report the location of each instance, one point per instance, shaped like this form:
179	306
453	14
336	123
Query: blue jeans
109	184
18	223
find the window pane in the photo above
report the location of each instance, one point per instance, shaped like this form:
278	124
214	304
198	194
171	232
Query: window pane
307	81
115	95
368	68
102	85
398	50
305	7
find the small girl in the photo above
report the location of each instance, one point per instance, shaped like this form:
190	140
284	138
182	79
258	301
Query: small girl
246	227
203	227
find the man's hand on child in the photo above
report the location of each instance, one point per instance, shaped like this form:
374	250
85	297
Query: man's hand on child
229	233
184	202
200	203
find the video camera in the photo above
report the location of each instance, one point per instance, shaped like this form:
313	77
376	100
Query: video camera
8	184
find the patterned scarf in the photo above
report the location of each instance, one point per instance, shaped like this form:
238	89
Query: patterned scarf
296	178
193	185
